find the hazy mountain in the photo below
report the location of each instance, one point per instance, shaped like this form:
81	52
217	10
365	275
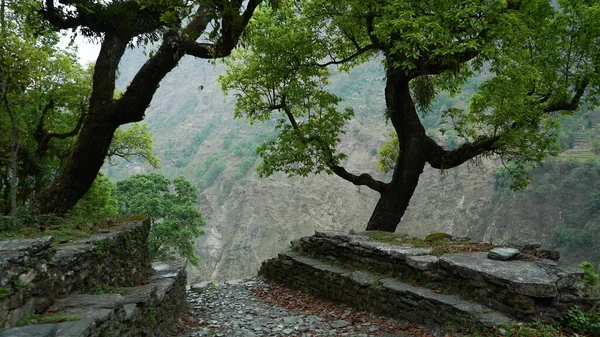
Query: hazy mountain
251	219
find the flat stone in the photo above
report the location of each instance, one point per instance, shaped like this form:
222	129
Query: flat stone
493	319
98	316
423	262
363	279
138	295
503	254
171	269
339	324
37	330
108	301
162	287
30	246
68	254
523	277
399	252
81	328
201	286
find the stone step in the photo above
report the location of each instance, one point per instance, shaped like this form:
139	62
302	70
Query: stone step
387	296
529	290
146	310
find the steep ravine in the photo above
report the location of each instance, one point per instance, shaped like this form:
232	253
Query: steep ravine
250	220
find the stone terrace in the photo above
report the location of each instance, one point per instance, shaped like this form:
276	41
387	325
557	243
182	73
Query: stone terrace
399	280
43	284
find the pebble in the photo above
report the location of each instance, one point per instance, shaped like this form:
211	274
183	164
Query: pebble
231	309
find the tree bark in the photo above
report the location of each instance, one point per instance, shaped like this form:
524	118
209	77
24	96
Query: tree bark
411	159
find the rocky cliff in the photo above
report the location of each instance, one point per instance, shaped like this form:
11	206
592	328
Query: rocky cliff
251	219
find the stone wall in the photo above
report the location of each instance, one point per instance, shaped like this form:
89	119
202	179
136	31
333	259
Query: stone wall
381	276
105	283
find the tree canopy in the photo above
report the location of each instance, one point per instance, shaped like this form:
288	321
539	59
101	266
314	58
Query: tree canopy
171	207
198	28
540	59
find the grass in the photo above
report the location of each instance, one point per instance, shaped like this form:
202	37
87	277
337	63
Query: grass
440	243
41	319
64	231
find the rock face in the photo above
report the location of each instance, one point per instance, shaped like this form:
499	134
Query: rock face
37	279
523	290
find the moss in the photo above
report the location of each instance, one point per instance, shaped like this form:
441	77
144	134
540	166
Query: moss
102	246
39	319
386	237
151	312
438	236
4	292
62	233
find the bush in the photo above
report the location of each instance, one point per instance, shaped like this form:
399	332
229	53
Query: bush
583	322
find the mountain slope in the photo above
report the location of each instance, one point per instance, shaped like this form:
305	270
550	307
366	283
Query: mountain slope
251	219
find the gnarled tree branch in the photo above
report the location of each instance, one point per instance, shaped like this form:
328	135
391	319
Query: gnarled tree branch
440	158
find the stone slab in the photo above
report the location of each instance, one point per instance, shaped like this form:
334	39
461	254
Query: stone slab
363	279
422	262
162	287
30	246
523	277
171	269
81	328
107	301
38	330
141	295
399	252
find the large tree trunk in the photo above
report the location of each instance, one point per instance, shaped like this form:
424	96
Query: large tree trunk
93	141
81	169
411	160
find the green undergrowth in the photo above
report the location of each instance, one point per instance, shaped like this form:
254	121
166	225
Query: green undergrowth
576	322
440	243
63	230
106	289
62	233
41	319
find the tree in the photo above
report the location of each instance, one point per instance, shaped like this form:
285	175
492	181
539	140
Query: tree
540	61
44	93
212	29
171	207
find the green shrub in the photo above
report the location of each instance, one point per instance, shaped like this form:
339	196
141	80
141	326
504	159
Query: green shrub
587	322
590	278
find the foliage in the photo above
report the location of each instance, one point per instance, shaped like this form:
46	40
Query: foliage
388	153
310	123
135	141
171	206
98	204
590	278
524	50
583	321
50	319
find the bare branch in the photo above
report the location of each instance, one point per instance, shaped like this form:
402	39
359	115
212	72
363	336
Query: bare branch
363	179
440	158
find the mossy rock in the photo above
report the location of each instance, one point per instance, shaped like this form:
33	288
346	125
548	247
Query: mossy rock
438	237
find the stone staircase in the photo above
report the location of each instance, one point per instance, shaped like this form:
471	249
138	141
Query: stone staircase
464	290
103	285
